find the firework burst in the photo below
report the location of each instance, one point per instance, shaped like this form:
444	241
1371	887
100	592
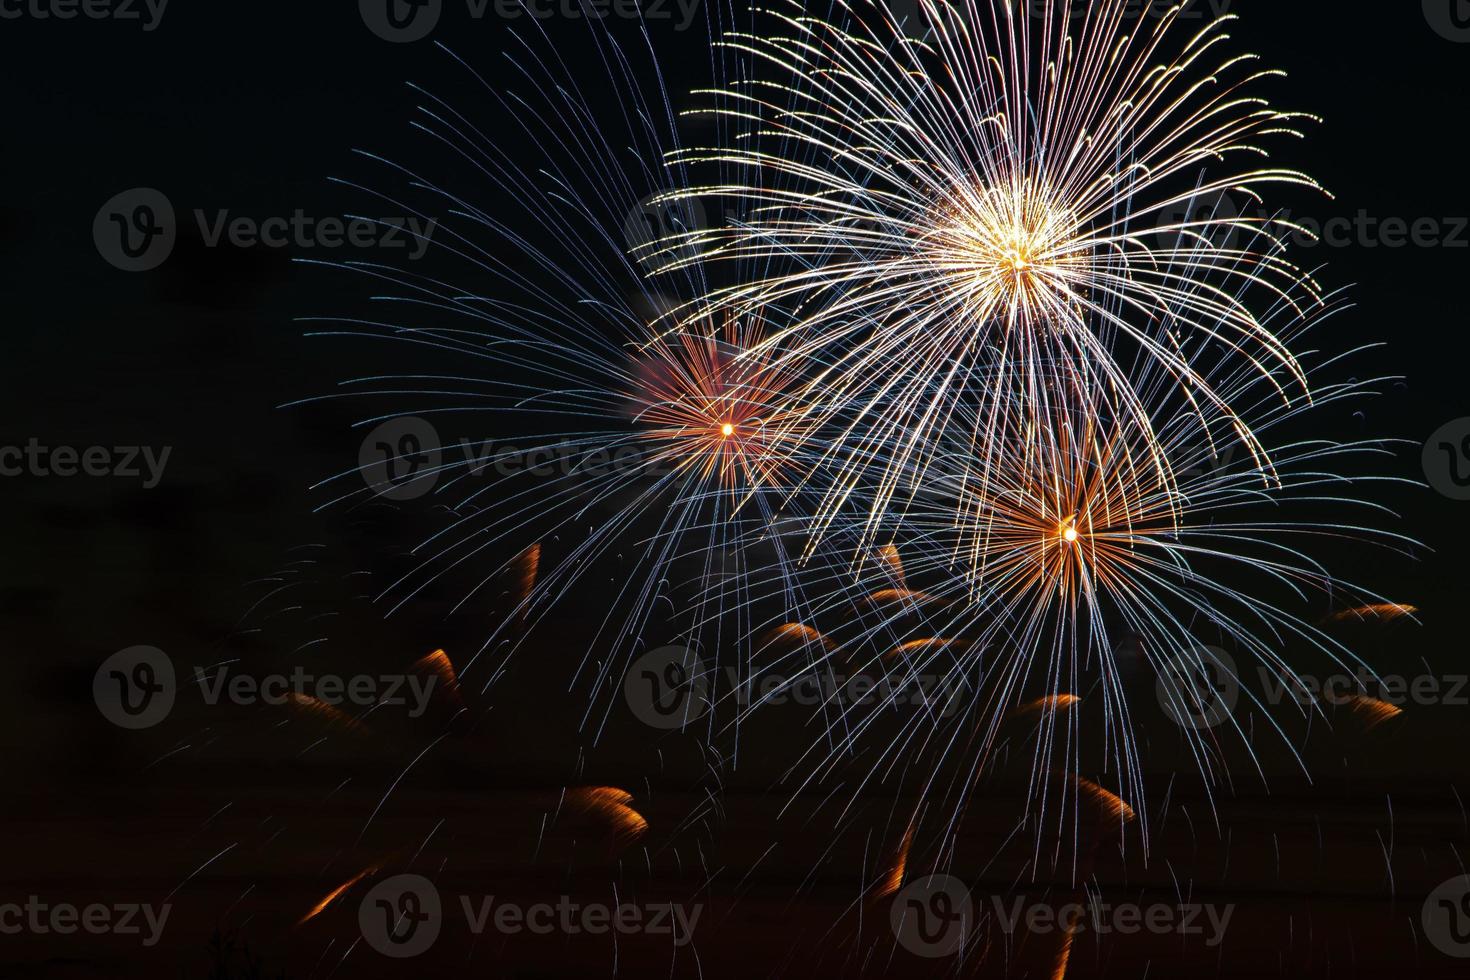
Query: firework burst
994	213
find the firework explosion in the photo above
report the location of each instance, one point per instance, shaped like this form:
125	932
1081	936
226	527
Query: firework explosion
996	202
969	383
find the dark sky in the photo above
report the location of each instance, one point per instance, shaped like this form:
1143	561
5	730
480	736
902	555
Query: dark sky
252	107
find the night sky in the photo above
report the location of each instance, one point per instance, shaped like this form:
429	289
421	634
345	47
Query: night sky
253	108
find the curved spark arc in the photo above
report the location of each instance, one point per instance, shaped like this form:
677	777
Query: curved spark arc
671	449
956	201
1046	613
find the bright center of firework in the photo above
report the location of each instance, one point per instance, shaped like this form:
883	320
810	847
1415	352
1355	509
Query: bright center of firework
1005	245
1069	535
727	430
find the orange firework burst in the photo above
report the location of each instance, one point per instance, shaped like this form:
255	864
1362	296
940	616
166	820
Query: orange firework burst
718	407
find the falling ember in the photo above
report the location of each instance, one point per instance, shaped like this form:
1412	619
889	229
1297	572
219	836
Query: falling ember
611	804
439	665
1064	954
1372	711
320	710
337	893
1111	804
527	566
912	647
1384	612
799	632
1055	702
890	557
893	878
884	597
